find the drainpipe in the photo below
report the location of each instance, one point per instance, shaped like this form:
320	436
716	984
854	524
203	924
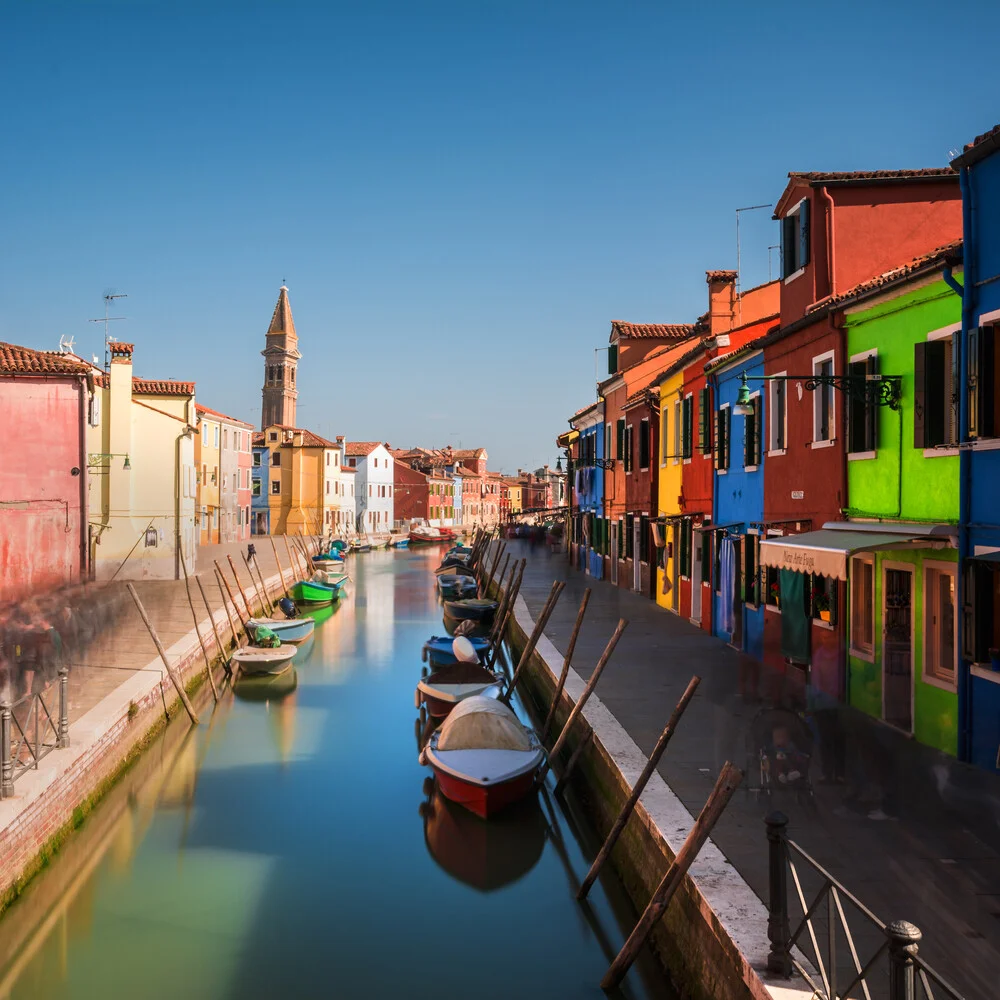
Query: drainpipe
968	292
831	242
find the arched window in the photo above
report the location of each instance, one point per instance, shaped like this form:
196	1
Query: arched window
293	376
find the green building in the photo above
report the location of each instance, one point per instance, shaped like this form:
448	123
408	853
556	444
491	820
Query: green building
902	474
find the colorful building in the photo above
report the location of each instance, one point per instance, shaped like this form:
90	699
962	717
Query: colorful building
223	448
208	460
589	523
260	504
46	399
373	465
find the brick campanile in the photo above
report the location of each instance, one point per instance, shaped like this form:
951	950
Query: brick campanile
281	358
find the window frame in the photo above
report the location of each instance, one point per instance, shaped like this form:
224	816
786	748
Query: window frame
676	455
819	394
687	428
871	410
862	651
723	440
275	487
797	217
929	673
756	457
778	386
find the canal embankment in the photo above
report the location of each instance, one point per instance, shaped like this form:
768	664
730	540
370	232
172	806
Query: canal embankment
120	698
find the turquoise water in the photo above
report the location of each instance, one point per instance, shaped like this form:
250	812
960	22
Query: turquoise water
294	847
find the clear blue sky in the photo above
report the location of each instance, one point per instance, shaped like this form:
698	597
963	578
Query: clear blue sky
461	195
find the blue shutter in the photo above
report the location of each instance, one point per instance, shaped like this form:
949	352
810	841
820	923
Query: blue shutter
804	234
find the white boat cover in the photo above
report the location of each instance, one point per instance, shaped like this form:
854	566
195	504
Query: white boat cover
464	651
481	723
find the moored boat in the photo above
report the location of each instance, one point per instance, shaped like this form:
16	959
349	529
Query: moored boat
266	687
477	609
439	650
454	585
294	630
450	685
453	567
482	756
264	659
399	541
313	594
425	536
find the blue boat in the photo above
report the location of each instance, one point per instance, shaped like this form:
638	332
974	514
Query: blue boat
454	586
438	649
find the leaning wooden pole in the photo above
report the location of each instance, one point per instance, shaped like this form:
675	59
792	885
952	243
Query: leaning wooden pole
291	559
493	569
638	788
496	637
222	576
265	604
536	634
211	617
567	660
729	781
197	629
239	586
263	585
504	592
503	571
277	562
229	617
573	761
583	699
185	701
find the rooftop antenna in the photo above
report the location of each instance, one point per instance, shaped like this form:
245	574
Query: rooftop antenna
109	297
66	345
739	303
773	246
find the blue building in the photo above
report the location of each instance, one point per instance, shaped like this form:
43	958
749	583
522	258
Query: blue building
590	526
738	501
979	469
260	512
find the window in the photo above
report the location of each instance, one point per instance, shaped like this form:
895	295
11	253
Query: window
935	392
612	359
795	239
751	435
984	367
204	434
862	604
607	441
862	416
940	651
772	586
328	487
225	483
822	598
275	486
255	488
664	425
621	443
684	546
215	436
225	438
627	451
722	424
273	436
676	452
751	581
644	444
824	412
704	421
687	427
275	458
778	423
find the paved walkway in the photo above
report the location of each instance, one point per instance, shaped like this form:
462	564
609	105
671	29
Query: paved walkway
911	832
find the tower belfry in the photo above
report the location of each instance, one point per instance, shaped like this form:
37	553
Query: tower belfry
281	358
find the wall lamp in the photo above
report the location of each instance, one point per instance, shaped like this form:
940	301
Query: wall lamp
871	389
96	458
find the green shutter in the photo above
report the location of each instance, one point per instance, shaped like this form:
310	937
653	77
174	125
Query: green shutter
704	443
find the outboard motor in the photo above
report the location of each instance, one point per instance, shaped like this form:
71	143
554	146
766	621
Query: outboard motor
288	607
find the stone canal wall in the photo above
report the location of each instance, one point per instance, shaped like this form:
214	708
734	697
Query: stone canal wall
50	802
713	938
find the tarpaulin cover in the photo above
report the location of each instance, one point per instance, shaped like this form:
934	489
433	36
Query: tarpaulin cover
825	552
796	633
481	723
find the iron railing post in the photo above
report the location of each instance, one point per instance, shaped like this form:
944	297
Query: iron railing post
62	739
903	937
6	764
779	959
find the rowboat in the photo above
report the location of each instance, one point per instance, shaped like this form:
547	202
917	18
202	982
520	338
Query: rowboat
482	756
360	544
266	687
327	561
455	585
294	630
313	594
399	541
426	536
449	686
459	551
477	609
439	650
328	576
454	567
264	659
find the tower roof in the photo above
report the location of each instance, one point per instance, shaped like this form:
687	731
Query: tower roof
281	320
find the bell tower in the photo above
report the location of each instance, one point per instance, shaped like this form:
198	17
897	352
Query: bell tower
281	358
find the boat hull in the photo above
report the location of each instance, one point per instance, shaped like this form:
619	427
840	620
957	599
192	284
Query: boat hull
484	800
316	594
462	611
438	651
264	661
294	630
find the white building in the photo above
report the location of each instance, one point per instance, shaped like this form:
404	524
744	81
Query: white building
373	485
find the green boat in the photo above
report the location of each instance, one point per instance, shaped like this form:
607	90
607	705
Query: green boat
316	595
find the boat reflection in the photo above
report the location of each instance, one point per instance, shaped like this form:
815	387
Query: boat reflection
266	687
484	855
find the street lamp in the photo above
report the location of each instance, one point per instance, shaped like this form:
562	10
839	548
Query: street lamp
872	389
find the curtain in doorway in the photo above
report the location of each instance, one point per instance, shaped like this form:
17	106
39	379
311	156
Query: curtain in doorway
727	585
796	631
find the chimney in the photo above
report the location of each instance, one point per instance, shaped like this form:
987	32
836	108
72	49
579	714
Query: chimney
119	423
721	301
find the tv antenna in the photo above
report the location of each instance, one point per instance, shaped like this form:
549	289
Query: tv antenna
739	262
66	345
109	297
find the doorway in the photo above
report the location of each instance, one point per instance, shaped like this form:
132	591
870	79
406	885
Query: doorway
697	573
616	527
637	554
897	646
737	594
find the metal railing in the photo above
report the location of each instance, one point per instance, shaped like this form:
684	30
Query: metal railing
28	731
892	969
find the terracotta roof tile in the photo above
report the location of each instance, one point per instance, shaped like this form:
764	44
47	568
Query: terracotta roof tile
980	147
865	176
721	275
222	416
360	448
258	439
161	387
651	331
951	251
15	360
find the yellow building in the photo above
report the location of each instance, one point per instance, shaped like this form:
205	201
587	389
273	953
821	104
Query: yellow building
515	495
311	487
207	460
141	487
669	486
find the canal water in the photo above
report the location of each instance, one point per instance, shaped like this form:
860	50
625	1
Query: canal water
293	846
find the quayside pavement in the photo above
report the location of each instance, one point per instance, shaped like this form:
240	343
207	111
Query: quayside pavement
911	832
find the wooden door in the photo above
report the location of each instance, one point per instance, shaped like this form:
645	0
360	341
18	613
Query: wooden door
897	646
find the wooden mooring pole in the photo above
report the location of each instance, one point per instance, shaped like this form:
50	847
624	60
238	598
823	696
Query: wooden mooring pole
239	586
185	701
277	562
211	618
536	634
729	780
583	699
197	628
638	787
567	660
573	761
229	617
265	600
236	607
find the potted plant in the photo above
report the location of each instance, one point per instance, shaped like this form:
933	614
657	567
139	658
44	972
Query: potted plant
821	602
995	659
775	594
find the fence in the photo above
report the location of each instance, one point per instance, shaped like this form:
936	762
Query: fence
28	731
892	968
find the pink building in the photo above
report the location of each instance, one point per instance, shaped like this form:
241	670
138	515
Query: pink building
43	474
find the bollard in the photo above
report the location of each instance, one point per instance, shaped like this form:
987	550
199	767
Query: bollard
779	960
6	764
62	737
903	937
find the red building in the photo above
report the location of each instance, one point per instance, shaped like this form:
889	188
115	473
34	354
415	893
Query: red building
837	230
411	492
43	478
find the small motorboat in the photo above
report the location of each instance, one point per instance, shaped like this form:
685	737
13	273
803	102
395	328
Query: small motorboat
442	690
399	541
266	687
447	534
425	536
458	551
294	630
330	577
457	586
314	594
477	609
360	544
264	659
454	568
439	650
327	561
482	756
